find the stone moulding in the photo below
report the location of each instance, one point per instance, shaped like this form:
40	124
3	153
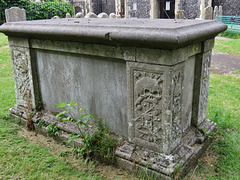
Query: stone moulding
165	34
152	76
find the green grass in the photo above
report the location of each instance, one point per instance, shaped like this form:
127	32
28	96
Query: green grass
227	47
224	109
236	72
7	94
21	159
229	35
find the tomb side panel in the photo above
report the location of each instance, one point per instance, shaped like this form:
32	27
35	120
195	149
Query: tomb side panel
98	83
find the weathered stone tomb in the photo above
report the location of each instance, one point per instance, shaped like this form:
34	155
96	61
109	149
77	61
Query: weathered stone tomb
147	78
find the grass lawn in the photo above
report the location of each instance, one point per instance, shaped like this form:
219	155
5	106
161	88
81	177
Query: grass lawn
21	157
23	160
227	47
222	161
7	94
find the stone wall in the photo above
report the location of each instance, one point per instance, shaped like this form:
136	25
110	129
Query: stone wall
142	8
96	6
191	8
81	6
139	8
230	7
108	6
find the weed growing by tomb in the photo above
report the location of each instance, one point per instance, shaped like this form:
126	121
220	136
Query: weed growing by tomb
42	124
97	143
52	129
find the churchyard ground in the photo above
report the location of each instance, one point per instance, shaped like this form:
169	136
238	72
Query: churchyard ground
28	155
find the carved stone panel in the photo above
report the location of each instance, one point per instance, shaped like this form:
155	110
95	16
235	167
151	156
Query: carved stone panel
177	128
147	105
155	106
187	94
204	87
148	87
22	75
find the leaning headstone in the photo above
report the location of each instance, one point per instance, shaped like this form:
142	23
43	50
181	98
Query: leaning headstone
55	17
79	15
15	14
91	15
208	13
103	15
68	15
180	14
112	15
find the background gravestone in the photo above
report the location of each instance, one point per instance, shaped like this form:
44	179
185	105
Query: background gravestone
15	14
180	14
208	13
215	12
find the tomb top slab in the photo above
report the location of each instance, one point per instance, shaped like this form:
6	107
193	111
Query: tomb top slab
151	33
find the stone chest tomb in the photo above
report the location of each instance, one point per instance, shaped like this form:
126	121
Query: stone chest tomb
147	78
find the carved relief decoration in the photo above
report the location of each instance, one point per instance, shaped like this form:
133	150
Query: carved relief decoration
20	63
204	88
148	105
177	81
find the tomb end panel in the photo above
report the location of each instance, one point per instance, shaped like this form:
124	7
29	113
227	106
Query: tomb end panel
22	74
154	105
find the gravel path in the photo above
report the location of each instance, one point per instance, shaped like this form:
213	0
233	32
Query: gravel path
224	63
